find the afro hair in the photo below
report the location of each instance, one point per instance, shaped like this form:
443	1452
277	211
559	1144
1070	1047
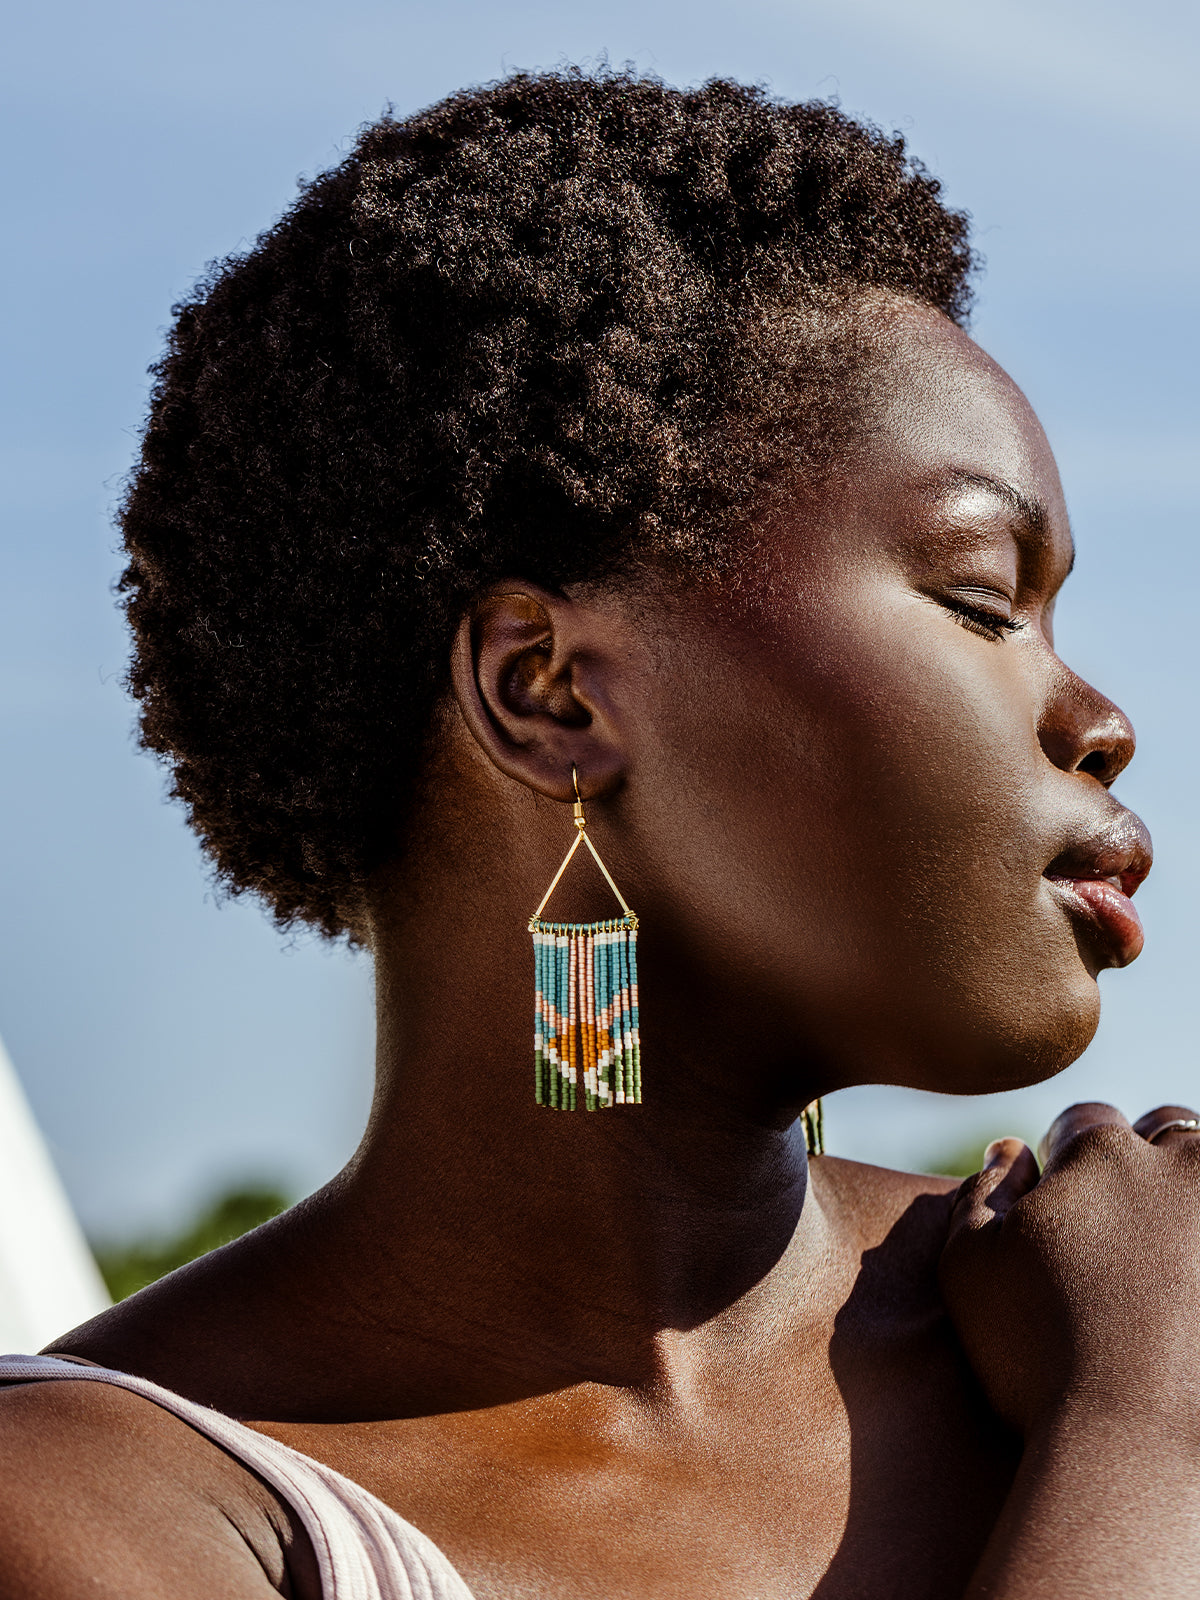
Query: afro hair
519	334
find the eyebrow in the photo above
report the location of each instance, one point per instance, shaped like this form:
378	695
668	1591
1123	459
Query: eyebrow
1031	512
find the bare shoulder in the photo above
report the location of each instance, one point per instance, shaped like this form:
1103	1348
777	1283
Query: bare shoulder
216	1330
107	1494
879	1192
898	1220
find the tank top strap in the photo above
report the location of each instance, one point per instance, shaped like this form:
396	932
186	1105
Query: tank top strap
364	1550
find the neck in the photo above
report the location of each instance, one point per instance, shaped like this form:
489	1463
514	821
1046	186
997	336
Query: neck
480	1248
553	1246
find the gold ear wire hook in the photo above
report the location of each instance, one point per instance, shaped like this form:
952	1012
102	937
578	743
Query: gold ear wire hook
582	838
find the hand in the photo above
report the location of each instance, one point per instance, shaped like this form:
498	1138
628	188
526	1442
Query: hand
1083	1283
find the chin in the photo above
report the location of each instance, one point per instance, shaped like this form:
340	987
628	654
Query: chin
1025	1059
993	1053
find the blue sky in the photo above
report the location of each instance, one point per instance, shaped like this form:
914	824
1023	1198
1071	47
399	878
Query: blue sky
170	1043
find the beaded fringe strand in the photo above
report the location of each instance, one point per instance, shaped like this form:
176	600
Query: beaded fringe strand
586	1014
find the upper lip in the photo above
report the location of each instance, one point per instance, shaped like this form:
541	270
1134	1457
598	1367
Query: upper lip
1120	854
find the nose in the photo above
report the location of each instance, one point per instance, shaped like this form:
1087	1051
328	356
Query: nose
1082	731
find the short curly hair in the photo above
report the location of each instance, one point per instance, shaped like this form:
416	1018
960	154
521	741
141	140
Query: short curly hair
513	335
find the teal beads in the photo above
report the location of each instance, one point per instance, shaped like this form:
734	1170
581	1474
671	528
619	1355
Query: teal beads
586	1014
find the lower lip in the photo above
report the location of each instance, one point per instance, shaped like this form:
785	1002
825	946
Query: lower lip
1110	911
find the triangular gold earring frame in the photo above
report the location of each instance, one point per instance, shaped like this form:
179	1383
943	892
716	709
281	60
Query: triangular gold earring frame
581	837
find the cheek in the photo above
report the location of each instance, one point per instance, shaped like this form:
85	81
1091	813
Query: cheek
885	819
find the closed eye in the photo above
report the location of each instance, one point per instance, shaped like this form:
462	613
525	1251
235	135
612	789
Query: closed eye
978	620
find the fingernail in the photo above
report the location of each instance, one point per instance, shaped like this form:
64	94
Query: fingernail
994	1154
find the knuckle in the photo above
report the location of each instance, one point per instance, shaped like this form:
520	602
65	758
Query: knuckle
1101	1141
1087	1113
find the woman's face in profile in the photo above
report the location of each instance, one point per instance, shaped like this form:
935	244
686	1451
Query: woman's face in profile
889	798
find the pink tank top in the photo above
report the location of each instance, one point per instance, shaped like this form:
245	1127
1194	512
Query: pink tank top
364	1550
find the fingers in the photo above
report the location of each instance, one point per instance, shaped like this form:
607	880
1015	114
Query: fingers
1156	1127
1017	1170
1009	1171
1090	1114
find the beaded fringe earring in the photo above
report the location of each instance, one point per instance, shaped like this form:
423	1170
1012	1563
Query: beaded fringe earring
585	1000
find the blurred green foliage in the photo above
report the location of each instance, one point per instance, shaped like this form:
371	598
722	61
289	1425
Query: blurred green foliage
968	1158
960	1163
129	1267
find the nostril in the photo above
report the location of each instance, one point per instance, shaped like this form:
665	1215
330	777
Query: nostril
1081	732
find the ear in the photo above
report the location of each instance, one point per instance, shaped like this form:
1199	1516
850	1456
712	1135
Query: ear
533	675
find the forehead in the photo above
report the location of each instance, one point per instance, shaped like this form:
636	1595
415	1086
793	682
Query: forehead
945	413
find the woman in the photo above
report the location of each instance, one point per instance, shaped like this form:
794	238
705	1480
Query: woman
580	437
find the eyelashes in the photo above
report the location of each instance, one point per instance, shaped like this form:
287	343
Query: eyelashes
986	624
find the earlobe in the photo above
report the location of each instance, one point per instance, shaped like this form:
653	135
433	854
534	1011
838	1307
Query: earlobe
519	677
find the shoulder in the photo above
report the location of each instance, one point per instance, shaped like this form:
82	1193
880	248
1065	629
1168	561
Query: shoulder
896	1221
107	1494
879	1196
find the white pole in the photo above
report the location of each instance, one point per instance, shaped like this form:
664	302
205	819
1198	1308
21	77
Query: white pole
48	1279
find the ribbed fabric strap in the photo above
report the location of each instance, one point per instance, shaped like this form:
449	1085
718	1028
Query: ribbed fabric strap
364	1550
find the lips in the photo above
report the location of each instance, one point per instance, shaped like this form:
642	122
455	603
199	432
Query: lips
1097	879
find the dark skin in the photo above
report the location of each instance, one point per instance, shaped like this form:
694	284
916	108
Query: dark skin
657	1352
